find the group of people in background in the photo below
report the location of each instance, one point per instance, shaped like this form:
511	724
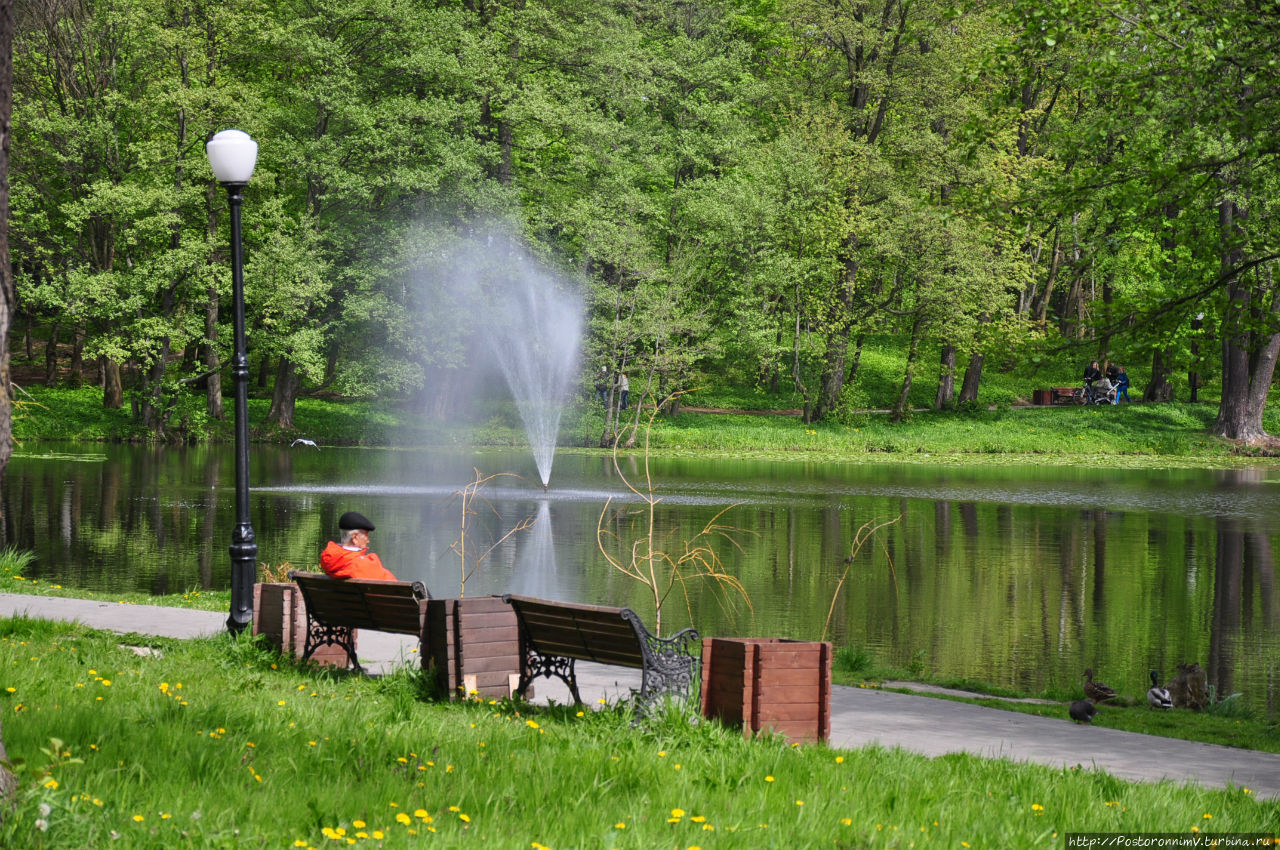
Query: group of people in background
1109	385
621	383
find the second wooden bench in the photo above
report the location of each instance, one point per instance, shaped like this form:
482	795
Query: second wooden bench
554	635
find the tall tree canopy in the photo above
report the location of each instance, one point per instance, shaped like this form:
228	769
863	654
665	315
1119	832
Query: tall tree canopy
740	188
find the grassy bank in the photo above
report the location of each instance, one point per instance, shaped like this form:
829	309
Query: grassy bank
1133	435
217	743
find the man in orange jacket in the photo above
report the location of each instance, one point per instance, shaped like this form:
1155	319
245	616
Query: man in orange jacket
351	558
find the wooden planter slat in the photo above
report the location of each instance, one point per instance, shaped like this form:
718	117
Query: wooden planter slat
473	644
280	613
768	684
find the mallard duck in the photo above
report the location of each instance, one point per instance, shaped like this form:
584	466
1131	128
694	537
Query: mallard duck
1096	691
1082	711
1158	696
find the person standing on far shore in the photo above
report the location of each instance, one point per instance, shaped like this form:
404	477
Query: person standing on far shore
1122	385
624	389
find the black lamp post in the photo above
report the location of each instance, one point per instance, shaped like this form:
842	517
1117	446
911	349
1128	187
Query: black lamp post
232	156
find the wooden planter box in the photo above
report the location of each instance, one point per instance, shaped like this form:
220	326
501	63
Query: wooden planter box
473	643
280	613
773	684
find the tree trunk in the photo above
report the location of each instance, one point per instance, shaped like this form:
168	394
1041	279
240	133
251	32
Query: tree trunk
857	359
77	355
900	406
972	378
1193	372
51	353
212	362
153	414
1248	364
946	379
1159	389
1248	353
112	389
832	383
1040	305
284	394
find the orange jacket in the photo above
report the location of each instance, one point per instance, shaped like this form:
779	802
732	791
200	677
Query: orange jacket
347	563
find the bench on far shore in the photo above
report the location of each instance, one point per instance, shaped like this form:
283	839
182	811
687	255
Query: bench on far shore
553	635
336	606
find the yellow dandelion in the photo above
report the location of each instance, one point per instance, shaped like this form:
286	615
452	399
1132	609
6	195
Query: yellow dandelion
1036	807
465	818
454	809
378	835
139	818
846	821
619	825
531	724
799	802
677	813
403	818
699	818
106	683
839	759
1207	816
768	779
51	784
359	824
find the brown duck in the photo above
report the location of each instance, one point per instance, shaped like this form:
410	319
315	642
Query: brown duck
1096	691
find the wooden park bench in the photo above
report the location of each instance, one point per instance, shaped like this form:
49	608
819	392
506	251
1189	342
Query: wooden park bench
1064	395
336	606
554	635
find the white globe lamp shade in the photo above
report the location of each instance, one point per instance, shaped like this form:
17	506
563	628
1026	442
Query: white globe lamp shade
232	156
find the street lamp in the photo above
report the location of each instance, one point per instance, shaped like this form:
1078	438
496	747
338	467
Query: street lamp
232	155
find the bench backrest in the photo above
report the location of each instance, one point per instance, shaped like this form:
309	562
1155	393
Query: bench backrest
383	606
586	632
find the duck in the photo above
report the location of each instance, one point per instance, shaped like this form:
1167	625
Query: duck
1082	711
1158	697
1096	691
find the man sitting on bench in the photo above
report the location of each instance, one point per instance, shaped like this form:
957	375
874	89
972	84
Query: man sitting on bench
351	558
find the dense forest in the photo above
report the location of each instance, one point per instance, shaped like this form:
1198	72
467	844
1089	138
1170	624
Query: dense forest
742	188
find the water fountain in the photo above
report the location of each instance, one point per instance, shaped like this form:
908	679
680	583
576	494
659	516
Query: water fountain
530	321
536	345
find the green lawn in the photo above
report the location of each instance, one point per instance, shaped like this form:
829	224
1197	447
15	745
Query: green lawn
220	743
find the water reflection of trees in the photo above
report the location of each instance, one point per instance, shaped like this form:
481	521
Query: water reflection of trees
1244	602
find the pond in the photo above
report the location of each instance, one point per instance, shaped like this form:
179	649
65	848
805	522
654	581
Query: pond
1019	576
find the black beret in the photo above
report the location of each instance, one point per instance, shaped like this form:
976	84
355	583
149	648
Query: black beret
351	520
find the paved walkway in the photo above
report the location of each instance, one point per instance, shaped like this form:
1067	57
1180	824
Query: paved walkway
859	716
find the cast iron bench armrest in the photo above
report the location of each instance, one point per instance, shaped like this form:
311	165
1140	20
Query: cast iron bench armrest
335	606
553	635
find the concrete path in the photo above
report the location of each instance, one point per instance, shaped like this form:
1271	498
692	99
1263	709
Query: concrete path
859	716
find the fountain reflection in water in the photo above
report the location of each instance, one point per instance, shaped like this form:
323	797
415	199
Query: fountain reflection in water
536	573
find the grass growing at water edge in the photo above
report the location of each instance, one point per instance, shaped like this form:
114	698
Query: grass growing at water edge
1227	723
218	742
